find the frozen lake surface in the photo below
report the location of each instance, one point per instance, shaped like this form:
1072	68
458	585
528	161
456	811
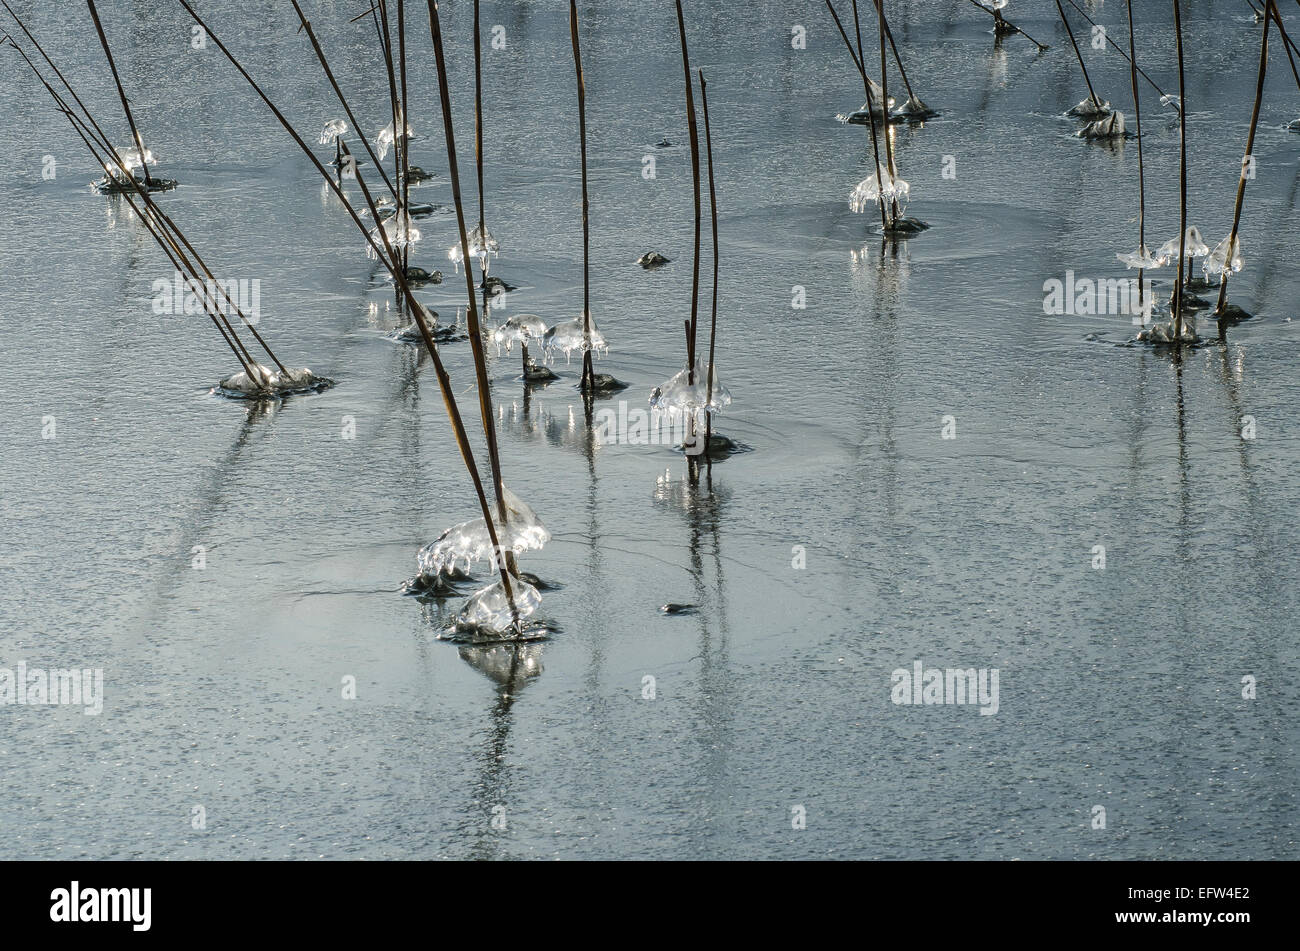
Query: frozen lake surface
1119	688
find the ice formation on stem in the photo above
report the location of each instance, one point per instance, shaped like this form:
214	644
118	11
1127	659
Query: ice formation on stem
869	191
570	336
521	328
1225	258
333	130
488	609
1142	258
384	140
401	232
679	398
470	541
481	246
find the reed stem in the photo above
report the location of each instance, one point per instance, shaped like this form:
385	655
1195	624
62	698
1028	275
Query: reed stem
1182	177
695	176
871	109
478	122
1079	56
1142	192
713	214
329	74
898	61
121	92
999	18
1141	72
896	212
1241	181
399	277
588	382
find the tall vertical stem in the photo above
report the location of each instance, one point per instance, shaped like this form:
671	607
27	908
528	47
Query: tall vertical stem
884	108
1182	176
871	103
713	214
695	174
478	119
1137	118
403	141
588	370
1241	182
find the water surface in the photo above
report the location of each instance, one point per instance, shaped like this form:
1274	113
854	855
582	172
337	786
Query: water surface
1118	687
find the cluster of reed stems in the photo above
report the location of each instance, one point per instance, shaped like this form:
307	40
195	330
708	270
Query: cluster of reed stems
393	262
180	252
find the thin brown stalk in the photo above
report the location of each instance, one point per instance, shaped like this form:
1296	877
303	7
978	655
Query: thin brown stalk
329	74
1182	176
713	214
588	382
121	92
695	175
884	103
1241	181
1078	55
390	261
475	330
1137	118
871	109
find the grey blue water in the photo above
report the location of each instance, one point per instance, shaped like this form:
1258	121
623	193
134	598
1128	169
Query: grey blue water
854	539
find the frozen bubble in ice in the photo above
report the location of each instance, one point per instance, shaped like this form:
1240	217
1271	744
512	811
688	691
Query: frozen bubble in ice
1141	258
1193	246
469	542
871	109
1110	127
914	108
481	245
679	398
1225	258
521	328
870	189
262	382
257	379
1090	109
1167	332
128	160
332	130
385	138
488	611
401	232
570	336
